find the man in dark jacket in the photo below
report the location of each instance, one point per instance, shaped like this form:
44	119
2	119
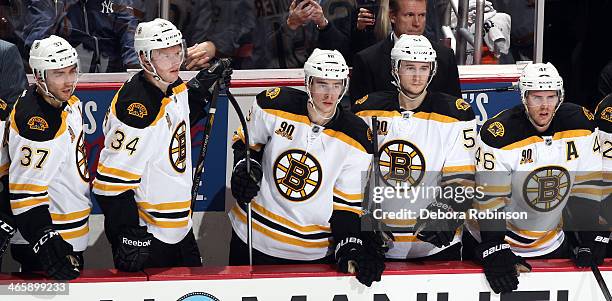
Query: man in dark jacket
371	66
102	31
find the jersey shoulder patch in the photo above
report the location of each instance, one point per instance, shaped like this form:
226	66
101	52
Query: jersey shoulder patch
603	115
377	101
34	119
137	103
285	99
354	129
507	127
451	106
571	116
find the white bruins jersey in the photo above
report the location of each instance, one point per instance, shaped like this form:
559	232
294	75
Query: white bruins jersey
4	157
147	149
309	171
603	117
48	164
431	146
533	175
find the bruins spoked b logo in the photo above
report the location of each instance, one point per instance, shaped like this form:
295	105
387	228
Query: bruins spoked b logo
297	175
546	187
401	163
178	148
81	158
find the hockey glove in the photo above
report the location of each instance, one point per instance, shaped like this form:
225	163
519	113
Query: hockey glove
593	250
133	249
501	266
351	252
6	232
440	231
55	255
206	78
245	186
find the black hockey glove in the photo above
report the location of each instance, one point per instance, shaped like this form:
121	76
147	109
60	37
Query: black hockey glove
592	250
55	255
440	231
351	252
245	186
205	79
6	232
501	266
133	249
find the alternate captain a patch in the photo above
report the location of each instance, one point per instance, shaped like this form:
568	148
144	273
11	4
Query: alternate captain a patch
137	109
38	123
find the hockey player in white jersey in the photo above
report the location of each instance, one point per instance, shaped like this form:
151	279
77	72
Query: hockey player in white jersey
426	141
48	175
533	162
7	225
144	175
603	118
310	156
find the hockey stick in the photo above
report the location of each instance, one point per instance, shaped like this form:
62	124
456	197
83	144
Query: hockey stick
197	175
514	87
247	143
601	282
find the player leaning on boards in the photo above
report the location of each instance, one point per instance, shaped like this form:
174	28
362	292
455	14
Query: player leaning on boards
426	139
48	176
144	178
543	158
309	155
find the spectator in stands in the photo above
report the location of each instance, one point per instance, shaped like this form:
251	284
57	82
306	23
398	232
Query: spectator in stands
283	36
604	84
12	75
371	66
220	29
102	31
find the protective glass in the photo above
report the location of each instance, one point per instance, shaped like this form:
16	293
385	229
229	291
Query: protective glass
410	68
168	57
536	101
326	88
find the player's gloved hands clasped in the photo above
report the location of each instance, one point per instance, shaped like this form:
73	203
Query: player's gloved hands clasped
440	231
219	69
351	256
501	266
133	249
56	255
593	249
245	186
6	232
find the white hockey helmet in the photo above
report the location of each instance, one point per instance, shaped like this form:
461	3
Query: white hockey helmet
326	64
412	48
540	77
51	53
156	34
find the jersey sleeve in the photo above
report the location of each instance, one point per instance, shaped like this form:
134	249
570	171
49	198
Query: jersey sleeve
126	153
459	167
350	184
588	176
493	178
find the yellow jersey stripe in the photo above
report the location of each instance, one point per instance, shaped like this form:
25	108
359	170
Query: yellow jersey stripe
346	208
596	175
162	224
435	117
29	202
280	237
287	223
571	134
344	138
464	168
349	196
112	188
165	206
289	116
70	216
28	187
378	113
75	234
116	172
